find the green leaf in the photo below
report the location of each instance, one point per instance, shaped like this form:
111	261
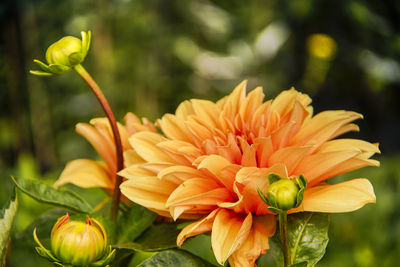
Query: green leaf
7	214
156	238
133	222
308	236
175	258
48	194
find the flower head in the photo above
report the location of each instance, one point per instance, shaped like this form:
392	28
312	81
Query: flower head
77	243
64	55
212	158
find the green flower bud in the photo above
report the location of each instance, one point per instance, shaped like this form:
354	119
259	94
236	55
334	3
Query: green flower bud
66	51
283	194
64	55
77	243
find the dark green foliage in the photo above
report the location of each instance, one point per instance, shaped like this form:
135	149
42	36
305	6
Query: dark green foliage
177	258
47	194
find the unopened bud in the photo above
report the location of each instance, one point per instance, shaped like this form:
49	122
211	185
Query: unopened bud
64	55
283	193
77	243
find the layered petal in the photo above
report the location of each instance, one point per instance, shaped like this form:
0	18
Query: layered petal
86	173
342	197
229	232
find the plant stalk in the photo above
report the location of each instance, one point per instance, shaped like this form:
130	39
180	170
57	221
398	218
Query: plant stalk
117	138
284	237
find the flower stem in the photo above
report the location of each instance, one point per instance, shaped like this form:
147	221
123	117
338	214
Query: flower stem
117	138
284	237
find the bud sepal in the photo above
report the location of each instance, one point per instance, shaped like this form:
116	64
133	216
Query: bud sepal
75	243
63	55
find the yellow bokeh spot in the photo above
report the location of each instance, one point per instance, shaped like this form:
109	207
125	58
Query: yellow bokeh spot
322	46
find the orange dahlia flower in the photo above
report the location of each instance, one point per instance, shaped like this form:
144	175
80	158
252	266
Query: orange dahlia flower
89	173
212	157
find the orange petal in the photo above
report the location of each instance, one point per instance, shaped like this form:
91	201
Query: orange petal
256	243
323	126
229	232
198	191
343	197
345	166
86	173
317	165
145	144
289	156
233	102
174	128
196	228
207	111
105	149
214	165
149	191
180	173
131	157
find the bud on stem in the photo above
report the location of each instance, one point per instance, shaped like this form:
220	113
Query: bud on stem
77	243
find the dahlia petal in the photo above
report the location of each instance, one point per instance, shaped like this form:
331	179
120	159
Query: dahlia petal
179	173
198	191
323	126
145	144
134	125
214	164
256	243
207	111
131	157
196	228
100	143
182	152
280	137
289	156
284	102
348	144
148	191
318	164
229	232
234	100
103	126
351	127
174	128
253	100
134	171
264	150
343	197
86	173
346	166
184	110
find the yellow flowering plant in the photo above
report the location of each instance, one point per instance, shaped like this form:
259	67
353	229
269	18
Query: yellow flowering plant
243	170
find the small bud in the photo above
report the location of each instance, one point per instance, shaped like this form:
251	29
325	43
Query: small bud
64	55
283	193
77	243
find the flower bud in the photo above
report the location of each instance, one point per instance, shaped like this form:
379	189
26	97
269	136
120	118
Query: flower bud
283	194
64	55
66	51
77	243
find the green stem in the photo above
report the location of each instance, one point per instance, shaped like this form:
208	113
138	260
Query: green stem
117	138
284	238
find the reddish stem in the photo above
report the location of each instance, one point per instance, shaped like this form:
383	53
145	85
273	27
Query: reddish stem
117	138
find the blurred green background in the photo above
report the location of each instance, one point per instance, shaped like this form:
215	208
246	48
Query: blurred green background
149	55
